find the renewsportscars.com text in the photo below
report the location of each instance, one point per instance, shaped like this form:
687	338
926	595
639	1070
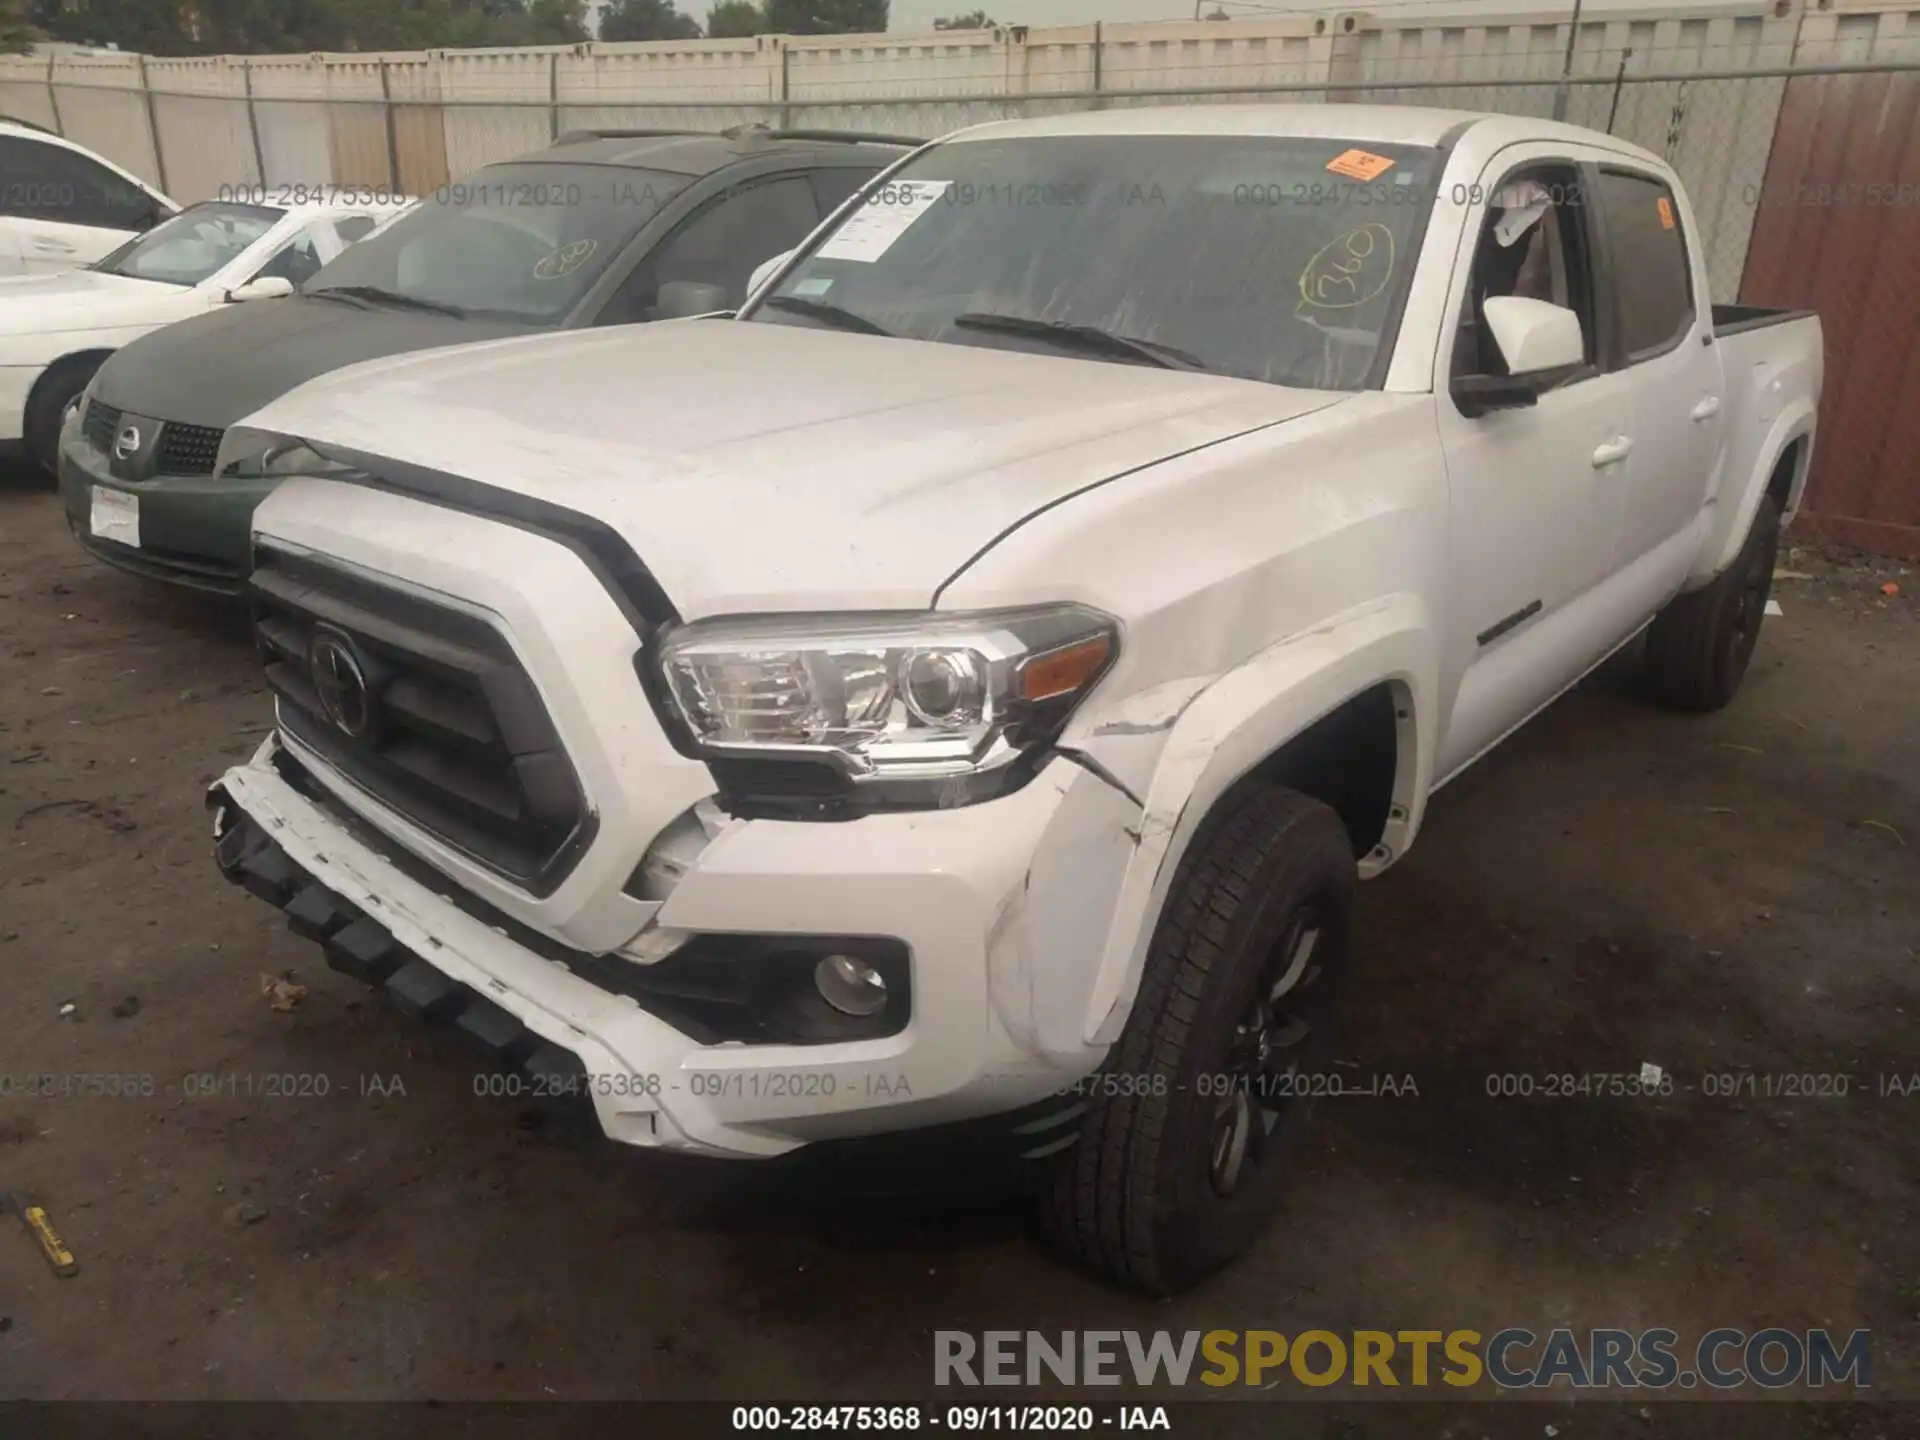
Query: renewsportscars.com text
1513	1359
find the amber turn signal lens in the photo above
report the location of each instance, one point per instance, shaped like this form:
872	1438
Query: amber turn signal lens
1063	671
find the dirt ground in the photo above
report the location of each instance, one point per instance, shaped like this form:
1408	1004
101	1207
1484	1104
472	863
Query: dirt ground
1617	886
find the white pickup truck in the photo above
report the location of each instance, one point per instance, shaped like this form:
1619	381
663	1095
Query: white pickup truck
962	690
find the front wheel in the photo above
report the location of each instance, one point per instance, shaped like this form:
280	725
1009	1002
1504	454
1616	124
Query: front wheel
1699	646
1180	1162
57	392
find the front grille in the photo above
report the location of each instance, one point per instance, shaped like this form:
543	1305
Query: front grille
100	425
455	738
188	449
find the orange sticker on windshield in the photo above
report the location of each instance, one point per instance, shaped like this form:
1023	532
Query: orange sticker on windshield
1666	213
1359	165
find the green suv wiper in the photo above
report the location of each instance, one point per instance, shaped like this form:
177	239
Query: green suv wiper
374	295
1085	338
829	313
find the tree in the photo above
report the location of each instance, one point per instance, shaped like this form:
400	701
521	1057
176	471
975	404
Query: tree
17	33
827	17
560	22
153	27
254	27
647	20
736	20
972	20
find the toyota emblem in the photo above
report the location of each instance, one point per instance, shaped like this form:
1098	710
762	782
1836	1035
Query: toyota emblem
127	443
341	684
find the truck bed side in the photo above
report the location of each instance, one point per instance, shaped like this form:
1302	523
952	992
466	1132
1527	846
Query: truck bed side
1773	362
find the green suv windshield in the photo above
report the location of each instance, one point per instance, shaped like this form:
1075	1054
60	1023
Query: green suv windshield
513	242
1267	258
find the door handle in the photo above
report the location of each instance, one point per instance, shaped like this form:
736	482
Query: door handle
1707	408
1612	452
51	245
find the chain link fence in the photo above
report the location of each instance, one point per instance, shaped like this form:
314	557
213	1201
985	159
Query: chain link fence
1805	180
373	124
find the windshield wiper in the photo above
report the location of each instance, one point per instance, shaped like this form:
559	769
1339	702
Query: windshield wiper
1086	338
828	313
374	295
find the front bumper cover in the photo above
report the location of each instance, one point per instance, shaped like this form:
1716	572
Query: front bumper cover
568	1021
194	529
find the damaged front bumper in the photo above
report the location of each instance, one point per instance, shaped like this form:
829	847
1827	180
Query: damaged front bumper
624	1034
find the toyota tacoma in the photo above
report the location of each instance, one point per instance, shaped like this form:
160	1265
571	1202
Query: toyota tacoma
960	692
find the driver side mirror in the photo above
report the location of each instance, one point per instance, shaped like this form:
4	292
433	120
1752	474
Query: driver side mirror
1534	338
766	269
264	287
684	299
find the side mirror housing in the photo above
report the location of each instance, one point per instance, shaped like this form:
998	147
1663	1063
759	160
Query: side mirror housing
684	299
1534	338
1534	335
265	287
766	270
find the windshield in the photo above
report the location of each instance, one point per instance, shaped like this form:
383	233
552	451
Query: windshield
193	244
1267	258
513	242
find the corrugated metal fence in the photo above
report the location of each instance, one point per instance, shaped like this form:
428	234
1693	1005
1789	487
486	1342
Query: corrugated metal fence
1710	91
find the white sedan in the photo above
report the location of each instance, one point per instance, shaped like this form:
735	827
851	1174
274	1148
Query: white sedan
61	205
56	330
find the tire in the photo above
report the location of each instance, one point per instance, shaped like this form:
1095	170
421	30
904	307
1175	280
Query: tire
57	389
1151	1196
1699	646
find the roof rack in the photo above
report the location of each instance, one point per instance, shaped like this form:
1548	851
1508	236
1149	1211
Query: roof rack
848	137
575	137
752	130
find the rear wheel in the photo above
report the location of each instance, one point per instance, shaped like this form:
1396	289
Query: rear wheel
1698	647
58	390
1183	1149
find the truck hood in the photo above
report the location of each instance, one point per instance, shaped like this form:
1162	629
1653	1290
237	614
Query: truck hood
214	368
88	300
757	467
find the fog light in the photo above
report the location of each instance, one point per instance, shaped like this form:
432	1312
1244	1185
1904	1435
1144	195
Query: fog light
850	986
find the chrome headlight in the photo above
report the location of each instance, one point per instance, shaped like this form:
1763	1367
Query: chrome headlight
921	707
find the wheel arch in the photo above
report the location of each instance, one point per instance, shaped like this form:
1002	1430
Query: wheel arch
1789	444
95	356
1345	712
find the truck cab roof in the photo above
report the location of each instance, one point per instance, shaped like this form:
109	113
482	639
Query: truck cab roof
1382	124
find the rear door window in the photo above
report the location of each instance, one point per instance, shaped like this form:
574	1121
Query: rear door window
39	181
1653	284
714	251
838	185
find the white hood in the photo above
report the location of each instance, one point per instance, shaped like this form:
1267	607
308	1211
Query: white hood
89	300
774	467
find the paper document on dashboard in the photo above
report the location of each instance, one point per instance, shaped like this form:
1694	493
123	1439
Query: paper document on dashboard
887	215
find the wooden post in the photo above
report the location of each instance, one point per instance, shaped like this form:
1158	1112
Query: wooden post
253	125
393	130
153	125
53	100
